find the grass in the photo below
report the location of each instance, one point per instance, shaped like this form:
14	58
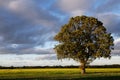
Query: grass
60	74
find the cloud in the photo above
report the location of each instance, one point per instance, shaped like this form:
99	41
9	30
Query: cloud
77	12
116	50
46	57
111	22
109	6
31	11
25	25
70	5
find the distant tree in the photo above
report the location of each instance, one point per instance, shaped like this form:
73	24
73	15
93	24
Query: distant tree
83	39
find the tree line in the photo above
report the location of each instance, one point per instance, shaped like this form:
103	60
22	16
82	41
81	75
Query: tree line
71	66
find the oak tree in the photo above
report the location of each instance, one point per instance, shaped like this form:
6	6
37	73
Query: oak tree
83	39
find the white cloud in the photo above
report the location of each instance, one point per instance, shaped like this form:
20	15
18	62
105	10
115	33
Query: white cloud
77	13
103	61
117	41
73	5
116	50
15	5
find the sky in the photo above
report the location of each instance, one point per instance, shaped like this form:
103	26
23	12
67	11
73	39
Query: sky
27	28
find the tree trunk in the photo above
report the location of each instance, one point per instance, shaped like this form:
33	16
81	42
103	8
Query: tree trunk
82	68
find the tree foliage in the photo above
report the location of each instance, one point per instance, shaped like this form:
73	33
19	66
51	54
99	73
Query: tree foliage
83	39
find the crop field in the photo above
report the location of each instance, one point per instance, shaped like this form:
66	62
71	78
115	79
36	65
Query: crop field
60	74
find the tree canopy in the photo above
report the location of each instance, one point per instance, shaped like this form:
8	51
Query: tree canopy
83	39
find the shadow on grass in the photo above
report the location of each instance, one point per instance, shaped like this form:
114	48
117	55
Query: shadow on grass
99	78
85	78
102	72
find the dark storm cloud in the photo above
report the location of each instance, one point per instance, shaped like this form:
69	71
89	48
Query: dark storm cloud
24	25
21	26
12	26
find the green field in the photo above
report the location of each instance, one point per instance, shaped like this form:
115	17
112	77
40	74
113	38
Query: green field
60	74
